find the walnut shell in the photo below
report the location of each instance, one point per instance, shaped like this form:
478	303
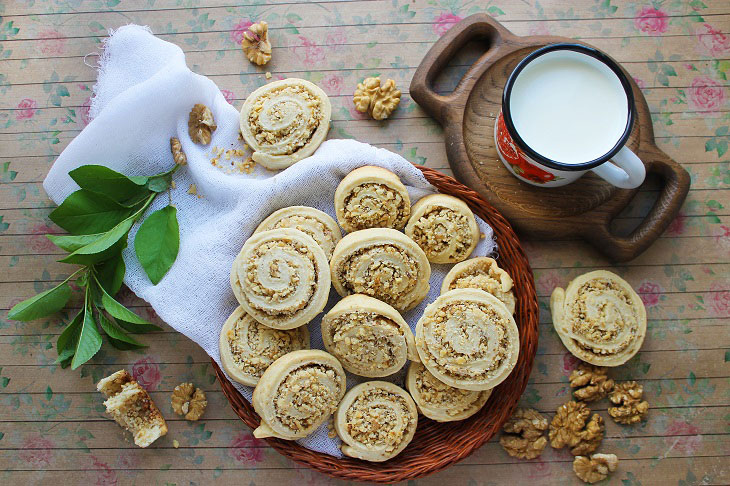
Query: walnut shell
201	124
188	401
255	43
376	99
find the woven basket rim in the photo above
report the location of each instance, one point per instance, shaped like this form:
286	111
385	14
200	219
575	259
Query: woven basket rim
436	445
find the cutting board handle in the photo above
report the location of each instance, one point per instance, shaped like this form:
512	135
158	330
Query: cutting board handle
478	26
674	190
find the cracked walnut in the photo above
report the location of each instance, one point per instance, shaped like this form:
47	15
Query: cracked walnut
571	427
376	99
595	468
255	44
590	382
201	124
630	408
523	434
188	401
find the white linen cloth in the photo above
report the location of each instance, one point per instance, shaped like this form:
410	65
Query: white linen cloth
143	96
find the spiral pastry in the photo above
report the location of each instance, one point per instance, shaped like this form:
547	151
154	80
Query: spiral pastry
376	420
315	223
280	277
481	273
368	336
444	227
285	121
297	394
382	263
467	339
439	401
371	197
599	318
247	348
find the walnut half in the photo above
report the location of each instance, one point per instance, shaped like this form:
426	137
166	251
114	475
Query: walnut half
255	43
376	99
571	427
590	382
177	152
201	124
523	434
188	401
596	468
630	408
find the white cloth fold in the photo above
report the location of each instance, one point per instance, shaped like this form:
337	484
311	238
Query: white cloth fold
143	96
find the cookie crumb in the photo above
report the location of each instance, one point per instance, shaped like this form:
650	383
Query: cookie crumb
268	75
175	443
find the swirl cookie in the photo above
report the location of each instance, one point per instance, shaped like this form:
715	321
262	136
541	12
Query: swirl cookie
599	318
382	263
376	420
481	273
439	401
317	224
371	197
285	121
281	278
368	336
297	394
444	227
247	347
467	339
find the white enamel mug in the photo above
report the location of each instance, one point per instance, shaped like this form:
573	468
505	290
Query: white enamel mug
568	109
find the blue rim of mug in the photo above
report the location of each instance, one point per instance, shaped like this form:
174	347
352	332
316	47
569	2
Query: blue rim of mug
594	53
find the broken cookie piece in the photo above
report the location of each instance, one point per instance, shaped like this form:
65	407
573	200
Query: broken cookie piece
132	408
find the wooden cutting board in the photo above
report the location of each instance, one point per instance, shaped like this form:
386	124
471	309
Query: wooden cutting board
582	209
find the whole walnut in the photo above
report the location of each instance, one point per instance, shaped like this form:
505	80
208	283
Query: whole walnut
595	468
572	428
255	43
188	401
590	382
630	408
376	99
523	434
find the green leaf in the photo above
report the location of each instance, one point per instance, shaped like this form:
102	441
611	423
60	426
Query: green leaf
157	243
138	328
118	311
41	305
70	335
89	341
111	274
85	212
115	332
108	182
104	242
71	243
95	258
159	183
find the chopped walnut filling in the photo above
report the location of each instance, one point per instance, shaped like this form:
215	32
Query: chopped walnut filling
289	113
470	339
382	271
435	393
286	260
590	382
269	345
593	327
313	227
376	419
367	340
372	205
572	428
630	408
523	434
441	228
306	395
486	283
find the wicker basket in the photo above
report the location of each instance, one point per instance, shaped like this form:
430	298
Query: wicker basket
436	445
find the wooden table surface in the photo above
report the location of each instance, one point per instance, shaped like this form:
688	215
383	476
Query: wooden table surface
52	425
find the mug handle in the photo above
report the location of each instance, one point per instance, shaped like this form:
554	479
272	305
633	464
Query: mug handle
624	170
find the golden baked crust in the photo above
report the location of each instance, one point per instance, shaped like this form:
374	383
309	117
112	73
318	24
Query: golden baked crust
376	420
382	263
439	401
132	408
317	224
297	394
467	339
481	273
599	318
285	121
248	347
444	227
281	278
371	197
369	337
